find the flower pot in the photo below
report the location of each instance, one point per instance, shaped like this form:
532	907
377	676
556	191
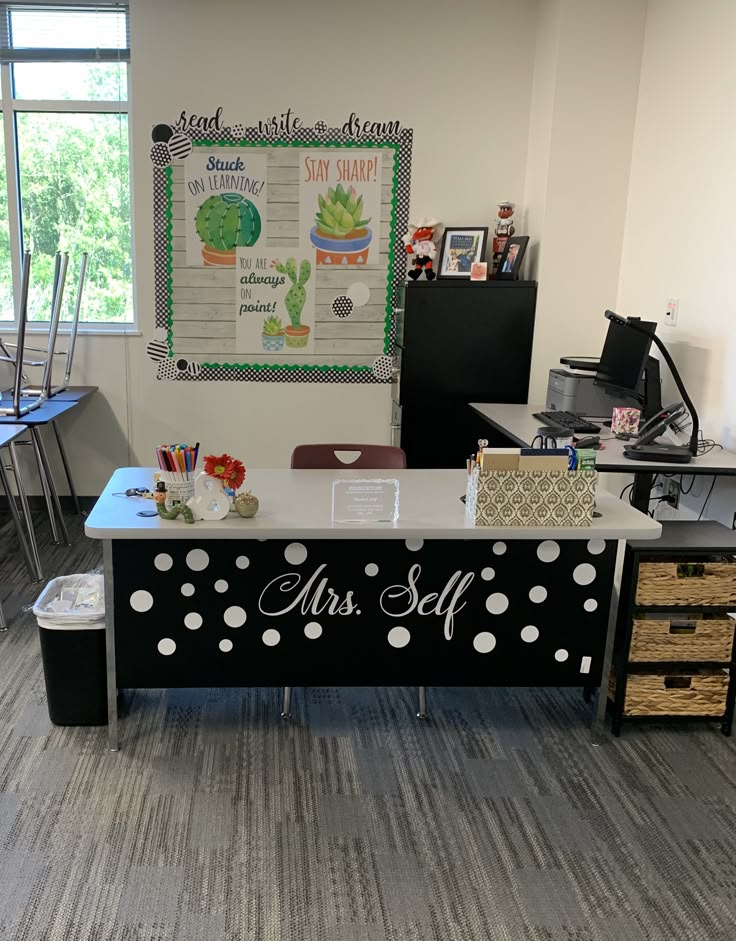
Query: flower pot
272	343
296	336
215	256
351	249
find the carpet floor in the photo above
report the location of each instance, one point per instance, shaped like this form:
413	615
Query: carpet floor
216	821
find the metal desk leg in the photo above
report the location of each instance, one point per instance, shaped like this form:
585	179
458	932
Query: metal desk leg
49	485
26	510
34	569
600	716
62	452
286	703
112	686
3	622
642	490
422	714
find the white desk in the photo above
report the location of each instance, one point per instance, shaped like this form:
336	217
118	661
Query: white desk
289	598
517	424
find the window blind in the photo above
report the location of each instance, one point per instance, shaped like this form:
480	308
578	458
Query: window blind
62	32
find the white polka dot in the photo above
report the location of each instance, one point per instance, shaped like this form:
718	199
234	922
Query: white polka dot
538	594
197	560
141	601
359	293
313	630
399	637
187	589
584	574
484	642
225	645
548	551
561	655
590	605
166	646
371	569
414	545
487	574
529	633
163	561
497	603
234	616
242	561
596	546
193	621
271	637
499	548
295	553
221	585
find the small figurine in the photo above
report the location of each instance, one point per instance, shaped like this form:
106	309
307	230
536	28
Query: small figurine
503	231
419	241
179	509
246	504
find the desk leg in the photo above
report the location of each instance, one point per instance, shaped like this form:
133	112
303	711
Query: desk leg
112	687
32	563
21	488
62	453
600	717
49	488
642	491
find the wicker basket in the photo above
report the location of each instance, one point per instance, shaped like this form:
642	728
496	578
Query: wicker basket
691	693
660	584
675	639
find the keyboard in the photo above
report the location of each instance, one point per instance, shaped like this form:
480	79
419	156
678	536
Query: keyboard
567	420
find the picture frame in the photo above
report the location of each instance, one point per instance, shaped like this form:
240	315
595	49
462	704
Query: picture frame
461	247
512	257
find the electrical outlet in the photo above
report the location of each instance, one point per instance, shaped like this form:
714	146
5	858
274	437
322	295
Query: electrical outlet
672	492
670	314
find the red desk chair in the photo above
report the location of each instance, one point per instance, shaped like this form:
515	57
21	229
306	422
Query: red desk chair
326	457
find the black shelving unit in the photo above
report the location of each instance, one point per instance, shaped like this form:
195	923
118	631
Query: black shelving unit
681	541
458	341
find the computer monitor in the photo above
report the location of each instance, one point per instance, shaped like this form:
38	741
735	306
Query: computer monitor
624	358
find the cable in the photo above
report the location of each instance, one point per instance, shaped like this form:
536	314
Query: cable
682	484
702	509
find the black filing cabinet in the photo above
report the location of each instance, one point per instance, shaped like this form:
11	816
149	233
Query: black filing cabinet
458	341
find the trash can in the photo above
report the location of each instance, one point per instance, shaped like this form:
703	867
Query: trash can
71	621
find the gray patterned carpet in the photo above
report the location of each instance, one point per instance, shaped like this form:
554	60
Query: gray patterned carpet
497	820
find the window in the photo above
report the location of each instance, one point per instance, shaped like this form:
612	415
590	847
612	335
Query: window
64	156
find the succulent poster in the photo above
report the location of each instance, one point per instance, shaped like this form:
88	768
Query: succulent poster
340	197
275	303
225	204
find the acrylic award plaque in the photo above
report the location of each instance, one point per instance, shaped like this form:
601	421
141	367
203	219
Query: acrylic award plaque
365	501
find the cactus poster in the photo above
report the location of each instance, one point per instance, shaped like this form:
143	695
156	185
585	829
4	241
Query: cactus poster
340	195
225	200
275	301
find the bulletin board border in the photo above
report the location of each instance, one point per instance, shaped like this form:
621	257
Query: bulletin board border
382	368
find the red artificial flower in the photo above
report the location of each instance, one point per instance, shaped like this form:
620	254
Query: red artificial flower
228	469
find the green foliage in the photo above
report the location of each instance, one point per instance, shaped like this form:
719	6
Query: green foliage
341	212
272	326
226	220
296	296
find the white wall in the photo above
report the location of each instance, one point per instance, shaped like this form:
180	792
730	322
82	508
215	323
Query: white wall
678	239
446	74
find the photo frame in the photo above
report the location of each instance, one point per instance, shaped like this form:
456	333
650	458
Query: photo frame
512	257
461	247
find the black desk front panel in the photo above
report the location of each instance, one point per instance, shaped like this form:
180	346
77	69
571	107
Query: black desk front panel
350	612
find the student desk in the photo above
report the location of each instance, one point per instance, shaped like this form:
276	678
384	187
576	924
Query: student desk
291	599
518	427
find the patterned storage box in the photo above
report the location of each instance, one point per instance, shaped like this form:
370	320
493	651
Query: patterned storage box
531	498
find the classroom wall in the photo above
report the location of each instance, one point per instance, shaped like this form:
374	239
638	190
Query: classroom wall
678	237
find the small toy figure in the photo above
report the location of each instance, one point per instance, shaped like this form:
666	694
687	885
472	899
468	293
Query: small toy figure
503	231
419	241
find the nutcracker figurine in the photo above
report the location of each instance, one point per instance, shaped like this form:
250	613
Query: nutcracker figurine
504	230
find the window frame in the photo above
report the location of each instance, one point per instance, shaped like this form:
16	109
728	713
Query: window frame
10	106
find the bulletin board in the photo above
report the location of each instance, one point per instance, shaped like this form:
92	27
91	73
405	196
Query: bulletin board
278	258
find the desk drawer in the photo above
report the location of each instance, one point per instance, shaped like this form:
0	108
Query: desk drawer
674	638
692	693
689	583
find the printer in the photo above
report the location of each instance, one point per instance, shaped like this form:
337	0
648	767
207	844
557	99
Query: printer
575	389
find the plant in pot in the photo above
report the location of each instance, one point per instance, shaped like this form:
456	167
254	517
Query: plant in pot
273	334
223	222
341	236
296	334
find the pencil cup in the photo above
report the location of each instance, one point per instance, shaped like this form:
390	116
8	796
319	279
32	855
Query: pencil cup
178	488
